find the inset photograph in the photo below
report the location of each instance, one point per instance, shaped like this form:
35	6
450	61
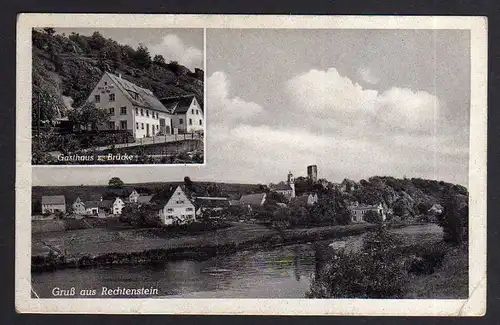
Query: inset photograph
117	96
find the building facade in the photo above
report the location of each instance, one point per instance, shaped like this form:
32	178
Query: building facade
358	211
130	107
187	113
118	206
178	209
53	204
78	207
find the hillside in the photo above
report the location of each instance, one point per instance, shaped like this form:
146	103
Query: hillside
66	68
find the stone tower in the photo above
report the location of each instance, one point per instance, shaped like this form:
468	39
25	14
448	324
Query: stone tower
312	173
291	182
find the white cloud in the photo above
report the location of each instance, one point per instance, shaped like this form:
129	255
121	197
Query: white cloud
368	76
173	48
226	109
331	95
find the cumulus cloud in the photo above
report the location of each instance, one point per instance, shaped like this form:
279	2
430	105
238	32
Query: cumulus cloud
334	96
371	133
173	48
227	109
368	76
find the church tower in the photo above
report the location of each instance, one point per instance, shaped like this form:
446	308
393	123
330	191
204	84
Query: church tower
291	183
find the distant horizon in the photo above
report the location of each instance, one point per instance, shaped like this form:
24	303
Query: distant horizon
236	183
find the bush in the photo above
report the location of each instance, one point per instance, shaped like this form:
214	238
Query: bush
378	271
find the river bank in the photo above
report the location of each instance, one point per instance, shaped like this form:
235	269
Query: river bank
104	247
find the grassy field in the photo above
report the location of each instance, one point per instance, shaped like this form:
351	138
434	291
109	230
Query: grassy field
450	281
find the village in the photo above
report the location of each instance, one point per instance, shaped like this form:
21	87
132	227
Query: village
183	204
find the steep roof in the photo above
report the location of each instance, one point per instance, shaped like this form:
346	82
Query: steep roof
160	202
146	98
281	187
178	104
144	198
92	204
253	199
54	199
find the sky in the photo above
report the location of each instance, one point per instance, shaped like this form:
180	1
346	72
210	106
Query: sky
356	103
175	44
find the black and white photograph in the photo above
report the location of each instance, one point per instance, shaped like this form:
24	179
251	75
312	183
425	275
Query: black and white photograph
344	176
117	96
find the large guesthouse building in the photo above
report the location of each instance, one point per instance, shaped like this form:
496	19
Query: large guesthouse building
138	111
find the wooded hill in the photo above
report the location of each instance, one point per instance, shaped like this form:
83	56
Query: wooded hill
67	67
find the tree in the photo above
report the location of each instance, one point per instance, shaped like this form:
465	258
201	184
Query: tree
49	30
159	59
450	219
188	182
96	41
140	215
372	216
115	182
142	58
88	116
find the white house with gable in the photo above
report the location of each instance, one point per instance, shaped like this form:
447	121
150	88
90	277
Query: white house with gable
187	113
118	206
131	107
178	209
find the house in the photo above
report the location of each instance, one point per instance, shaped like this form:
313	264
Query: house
187	113
131	108
118	206
133	196
358	211
306	199
92	208
348	186
53	204
286	189
254	200
136	197
177	208
78	207
436	209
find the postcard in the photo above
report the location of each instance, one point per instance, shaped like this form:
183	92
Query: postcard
252	165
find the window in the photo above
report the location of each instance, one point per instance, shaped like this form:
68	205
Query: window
142	126
123	110
111	125
97	98
197	112
201	123
137	125
136	111
189	209
111	97
112	110
170	210
192	111
105	83
147	113
181	121
142	112
190	122
157	116
123	125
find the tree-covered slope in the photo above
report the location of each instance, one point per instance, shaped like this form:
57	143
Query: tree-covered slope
65	69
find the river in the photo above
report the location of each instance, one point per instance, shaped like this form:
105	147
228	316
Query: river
282	272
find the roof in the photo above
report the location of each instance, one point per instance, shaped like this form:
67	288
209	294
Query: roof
178	104
146	98
363	207
144	198
54	199
281	187
253	199
105	204
300	200
168	194
92	204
